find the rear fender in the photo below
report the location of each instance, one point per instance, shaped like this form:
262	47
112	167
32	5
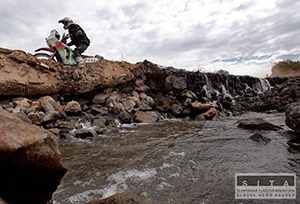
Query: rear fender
45	49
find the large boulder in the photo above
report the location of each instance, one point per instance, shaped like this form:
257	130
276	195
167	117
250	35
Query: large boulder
30	161
22	74
292	114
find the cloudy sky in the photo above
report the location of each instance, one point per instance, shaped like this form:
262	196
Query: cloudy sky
240	36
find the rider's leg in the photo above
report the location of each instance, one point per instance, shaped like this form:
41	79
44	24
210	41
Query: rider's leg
77	52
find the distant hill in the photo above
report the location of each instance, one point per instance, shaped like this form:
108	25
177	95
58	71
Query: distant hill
286	68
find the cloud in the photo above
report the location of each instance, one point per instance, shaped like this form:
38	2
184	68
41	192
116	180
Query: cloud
183	34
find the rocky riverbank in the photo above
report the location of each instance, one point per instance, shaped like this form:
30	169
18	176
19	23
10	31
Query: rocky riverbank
94	99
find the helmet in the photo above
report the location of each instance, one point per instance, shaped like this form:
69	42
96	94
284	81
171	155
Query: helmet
66	21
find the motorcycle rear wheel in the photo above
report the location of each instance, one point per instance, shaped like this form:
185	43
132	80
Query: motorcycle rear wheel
41	55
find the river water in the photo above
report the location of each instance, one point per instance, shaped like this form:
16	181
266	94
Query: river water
177	162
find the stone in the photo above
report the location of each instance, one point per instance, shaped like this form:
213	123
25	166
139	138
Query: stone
22	104
148	100
50	106
99	110
84	133
210	114
122	198
30	161
190	95
260	138
198	108
176	109
257	124
174	82
142	88
129	104
72	107
292	116
99	122
146	117
36	117
100	98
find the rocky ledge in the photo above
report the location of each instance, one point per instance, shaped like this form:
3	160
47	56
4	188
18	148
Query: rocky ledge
94	99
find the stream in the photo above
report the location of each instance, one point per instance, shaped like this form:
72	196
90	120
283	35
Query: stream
174	161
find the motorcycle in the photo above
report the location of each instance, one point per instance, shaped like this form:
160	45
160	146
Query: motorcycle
59	51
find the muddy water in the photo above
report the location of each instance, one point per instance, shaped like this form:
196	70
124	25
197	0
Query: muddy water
174	161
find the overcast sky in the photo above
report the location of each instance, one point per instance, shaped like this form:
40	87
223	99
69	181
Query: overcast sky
241	36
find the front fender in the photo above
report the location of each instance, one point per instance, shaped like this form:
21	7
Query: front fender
45	49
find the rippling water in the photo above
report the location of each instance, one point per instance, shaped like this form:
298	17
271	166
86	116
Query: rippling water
174	161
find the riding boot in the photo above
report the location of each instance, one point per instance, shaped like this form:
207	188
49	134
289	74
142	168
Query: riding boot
79	61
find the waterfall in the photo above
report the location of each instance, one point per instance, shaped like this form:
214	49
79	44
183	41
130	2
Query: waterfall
226	94
262	85
265	85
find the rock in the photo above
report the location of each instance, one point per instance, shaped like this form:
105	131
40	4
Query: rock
100	98
142	88
122	198
72	107
198	108
99	123
30	161
84	133
50	106
292	114
210	114
148	101
23	117
176	109
36	117
190	95
99	110
258	124
174	82
146	117
260	138
22	104
129	104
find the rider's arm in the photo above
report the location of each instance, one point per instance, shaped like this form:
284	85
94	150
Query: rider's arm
70	43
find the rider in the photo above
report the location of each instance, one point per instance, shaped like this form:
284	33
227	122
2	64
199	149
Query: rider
78	38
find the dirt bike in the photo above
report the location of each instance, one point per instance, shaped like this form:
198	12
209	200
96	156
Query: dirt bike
59	51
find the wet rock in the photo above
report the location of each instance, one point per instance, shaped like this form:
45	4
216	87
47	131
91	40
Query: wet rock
176	109
99	122
122	198
30	161
84	133
257	124
198	108
292	114
72	107
210	114
260	138
146	117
